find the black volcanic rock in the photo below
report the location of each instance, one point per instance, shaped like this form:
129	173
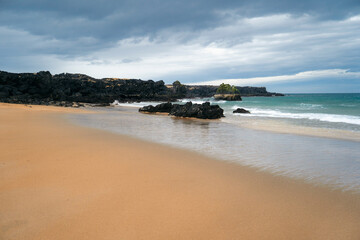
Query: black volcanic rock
241	110
163	108
44	88
70	89
202	111
148	109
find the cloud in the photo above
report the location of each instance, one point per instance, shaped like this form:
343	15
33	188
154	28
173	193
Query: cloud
341	74
113	20
190	41
243	48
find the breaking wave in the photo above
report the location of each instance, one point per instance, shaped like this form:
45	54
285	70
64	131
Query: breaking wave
256	112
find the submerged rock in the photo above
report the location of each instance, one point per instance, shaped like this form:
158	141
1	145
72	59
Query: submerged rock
202	111
241	110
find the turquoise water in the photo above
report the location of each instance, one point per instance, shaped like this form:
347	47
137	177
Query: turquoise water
339	104
334	111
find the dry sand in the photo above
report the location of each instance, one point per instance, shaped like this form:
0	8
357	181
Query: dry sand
60	181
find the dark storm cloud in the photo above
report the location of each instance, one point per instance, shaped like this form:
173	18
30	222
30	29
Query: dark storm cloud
113	20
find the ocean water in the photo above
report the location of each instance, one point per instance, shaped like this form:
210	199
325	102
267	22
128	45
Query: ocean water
333	111
318	160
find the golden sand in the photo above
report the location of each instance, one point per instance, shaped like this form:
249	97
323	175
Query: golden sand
60	181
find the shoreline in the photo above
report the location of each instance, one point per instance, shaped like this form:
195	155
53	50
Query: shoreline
62	181
266	151
277	126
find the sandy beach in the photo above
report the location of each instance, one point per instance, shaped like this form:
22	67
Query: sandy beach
61	181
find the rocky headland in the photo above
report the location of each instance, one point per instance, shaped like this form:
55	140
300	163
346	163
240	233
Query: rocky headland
201	91
74	90
66	89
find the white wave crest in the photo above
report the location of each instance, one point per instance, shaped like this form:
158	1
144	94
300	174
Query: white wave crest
219	101
255	112
133	104
310	106
236	107
194	100
200	101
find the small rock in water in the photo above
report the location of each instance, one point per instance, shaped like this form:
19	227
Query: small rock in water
202	111
241	110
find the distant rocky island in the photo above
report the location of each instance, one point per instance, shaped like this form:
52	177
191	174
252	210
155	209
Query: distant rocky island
67	89
228	93
194	91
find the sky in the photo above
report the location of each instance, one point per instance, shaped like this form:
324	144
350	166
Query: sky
287	46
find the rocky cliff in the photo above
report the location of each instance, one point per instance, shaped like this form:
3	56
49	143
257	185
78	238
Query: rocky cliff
64	89
44	88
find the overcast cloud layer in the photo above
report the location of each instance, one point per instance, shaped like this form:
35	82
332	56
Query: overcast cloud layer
288	46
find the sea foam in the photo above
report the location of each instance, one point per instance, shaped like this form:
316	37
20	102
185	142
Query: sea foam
256	112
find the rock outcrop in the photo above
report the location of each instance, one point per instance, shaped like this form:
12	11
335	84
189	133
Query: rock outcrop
188	110
203	111
160	108
228	97
70	89
241	110
64	89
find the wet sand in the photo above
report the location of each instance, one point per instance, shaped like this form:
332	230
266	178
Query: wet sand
60	181
287	128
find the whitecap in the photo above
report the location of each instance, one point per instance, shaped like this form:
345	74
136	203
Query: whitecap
310	106
256	112
133	104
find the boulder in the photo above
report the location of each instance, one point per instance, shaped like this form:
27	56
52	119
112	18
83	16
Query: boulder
202	111
241	110
163	108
